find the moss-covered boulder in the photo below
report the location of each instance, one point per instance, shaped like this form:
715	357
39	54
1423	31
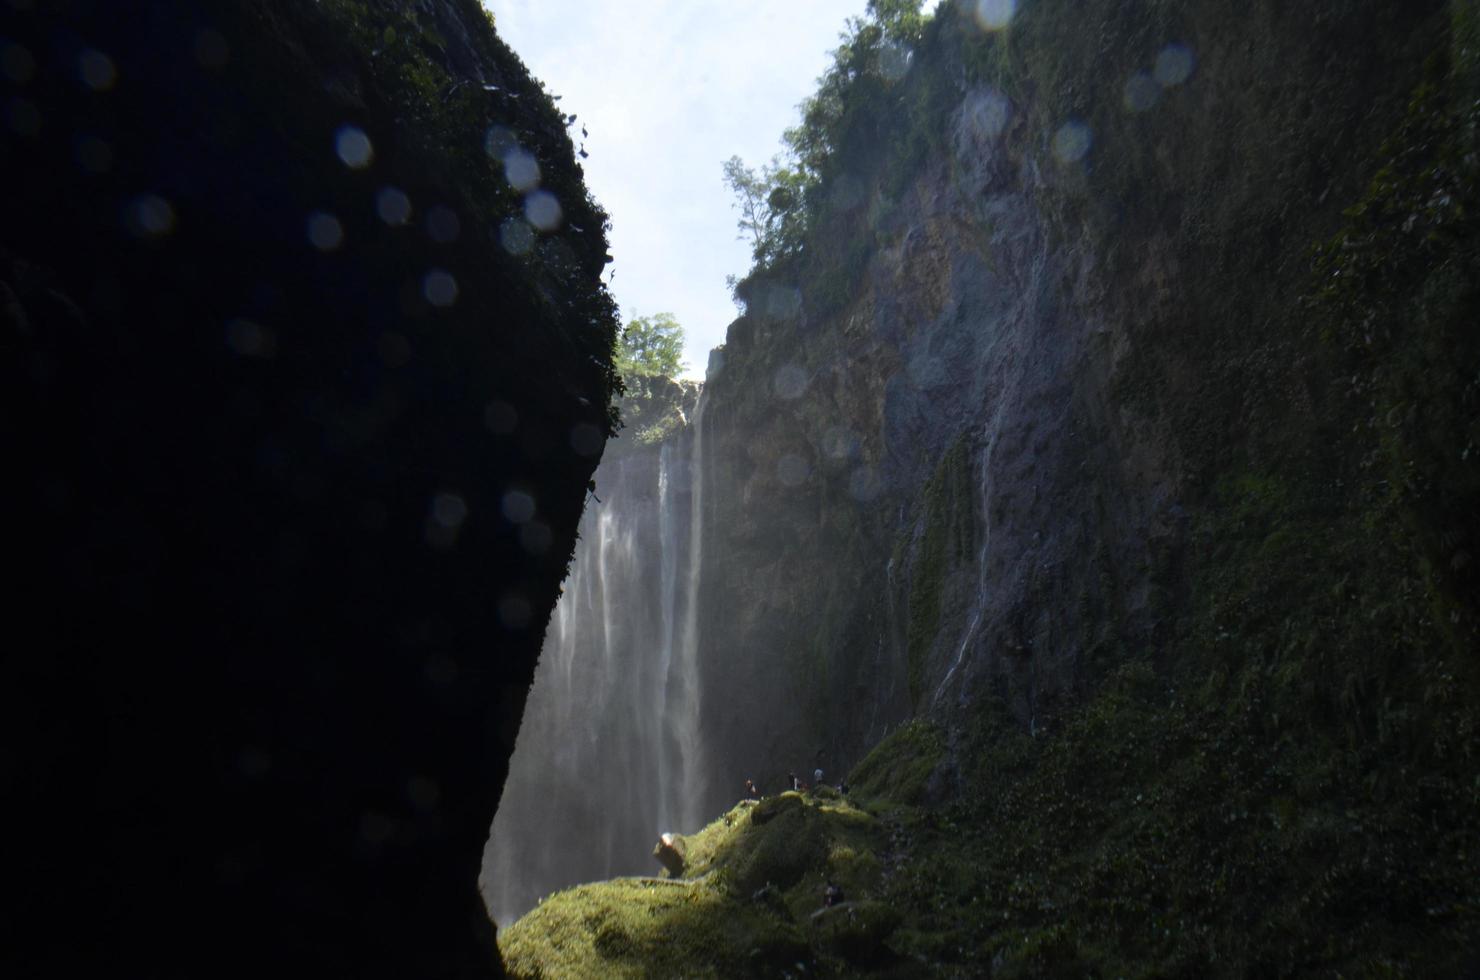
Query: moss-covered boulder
856	931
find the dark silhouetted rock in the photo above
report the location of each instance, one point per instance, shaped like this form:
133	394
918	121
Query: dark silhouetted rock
299	419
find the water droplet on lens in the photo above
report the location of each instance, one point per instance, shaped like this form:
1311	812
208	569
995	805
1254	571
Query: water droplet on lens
393	206
17	63
1174	65
993	15
353	147
150	216
449	510
1141	92
500	417
516	236
518	507
521	169
790	382
250	339
325	232
586	439
542	210
93	155
211	50
439	288
96	70
514	611
1071	142
442	225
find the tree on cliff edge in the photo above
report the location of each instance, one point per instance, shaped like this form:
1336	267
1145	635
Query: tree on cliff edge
651	346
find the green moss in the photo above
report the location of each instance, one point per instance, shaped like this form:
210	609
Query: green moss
898	768
743	908
948	536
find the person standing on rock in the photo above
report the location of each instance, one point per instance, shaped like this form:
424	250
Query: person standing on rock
832	895
751	793
795	783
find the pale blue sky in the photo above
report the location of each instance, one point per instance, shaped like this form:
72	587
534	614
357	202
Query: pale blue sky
670	89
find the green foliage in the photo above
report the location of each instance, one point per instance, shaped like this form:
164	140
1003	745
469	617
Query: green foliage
651	347
949	530
899	767
769	203
742	909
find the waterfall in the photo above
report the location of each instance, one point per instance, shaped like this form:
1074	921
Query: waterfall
610	753
685	709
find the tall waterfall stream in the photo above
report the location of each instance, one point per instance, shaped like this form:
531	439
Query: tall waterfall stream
610	754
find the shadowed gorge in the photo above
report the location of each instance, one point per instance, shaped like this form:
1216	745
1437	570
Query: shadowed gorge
1091	474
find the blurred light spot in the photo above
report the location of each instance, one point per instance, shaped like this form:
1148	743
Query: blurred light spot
790	382
993	15
253	762
247	338
376	828
439	288
374	516
17	63
1174	65
985	114
449	510
774	300
23	117
500	417
535	537
353	147
1071	142
93	155
441	669
542	210
325	231
839	443
521	169
423	792
514	611
792	470
394	349
586	439
96	70
150	216
393	206
518	507
211	50
1141	92
895	60
516	236
442	225
498	141
864	485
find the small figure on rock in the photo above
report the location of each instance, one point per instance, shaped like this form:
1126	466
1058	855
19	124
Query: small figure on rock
843	788
751	793
795	783
817	777
831	895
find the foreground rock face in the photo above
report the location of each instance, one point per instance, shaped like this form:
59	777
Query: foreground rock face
301	416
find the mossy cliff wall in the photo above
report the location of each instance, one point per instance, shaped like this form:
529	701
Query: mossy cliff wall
1057	327
300	419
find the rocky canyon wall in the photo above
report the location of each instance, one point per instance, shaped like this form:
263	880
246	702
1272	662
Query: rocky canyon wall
1049	300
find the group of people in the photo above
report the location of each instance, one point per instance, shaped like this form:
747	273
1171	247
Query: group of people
752	792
